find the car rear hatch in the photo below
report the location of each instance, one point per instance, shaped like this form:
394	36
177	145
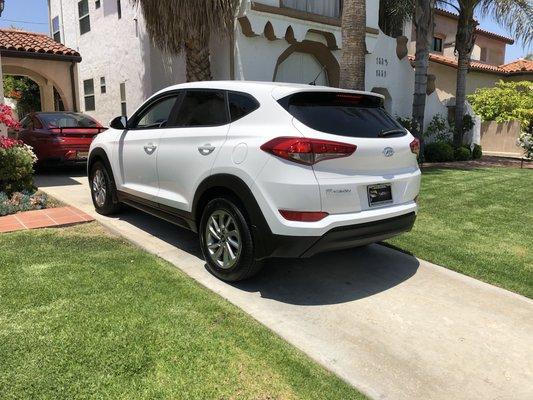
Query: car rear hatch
383	154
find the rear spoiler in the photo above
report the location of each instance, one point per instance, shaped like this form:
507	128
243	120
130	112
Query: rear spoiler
100	129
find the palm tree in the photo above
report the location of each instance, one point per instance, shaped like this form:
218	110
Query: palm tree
392	16
353	44
424	27
177	25
515	15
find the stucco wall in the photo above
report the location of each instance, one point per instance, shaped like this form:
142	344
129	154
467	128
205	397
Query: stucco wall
118	50
500	139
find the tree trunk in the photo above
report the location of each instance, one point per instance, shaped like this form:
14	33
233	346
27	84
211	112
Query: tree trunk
197	59
464	44
353	45
424	24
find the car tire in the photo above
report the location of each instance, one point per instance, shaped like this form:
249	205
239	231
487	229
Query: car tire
226	241
103	191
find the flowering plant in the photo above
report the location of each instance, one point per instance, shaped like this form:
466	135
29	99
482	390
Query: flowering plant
16	161
526	142
6	117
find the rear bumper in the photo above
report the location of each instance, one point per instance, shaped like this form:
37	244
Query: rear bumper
336	239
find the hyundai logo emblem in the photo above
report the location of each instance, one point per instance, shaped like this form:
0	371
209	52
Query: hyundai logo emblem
388	151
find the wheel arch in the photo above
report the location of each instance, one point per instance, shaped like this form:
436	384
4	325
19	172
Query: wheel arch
231	186
98	154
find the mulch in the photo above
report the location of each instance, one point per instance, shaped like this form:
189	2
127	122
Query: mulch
484	162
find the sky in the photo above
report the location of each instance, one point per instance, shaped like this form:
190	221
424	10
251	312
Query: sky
32	15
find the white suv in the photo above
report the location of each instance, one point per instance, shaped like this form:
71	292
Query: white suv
261	170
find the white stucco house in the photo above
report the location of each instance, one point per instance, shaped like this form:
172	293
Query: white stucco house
273	40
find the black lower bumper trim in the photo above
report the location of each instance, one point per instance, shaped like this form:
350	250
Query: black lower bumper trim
339	238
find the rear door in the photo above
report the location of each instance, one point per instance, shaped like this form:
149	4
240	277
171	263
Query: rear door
383	155
188	151
138	147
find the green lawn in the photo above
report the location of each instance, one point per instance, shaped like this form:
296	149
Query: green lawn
478	222
85	315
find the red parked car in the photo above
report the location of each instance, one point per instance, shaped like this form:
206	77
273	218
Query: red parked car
59	137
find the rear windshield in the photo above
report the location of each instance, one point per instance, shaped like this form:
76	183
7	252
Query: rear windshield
343	114
67	120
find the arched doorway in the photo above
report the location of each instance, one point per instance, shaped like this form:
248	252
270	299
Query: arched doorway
302	68
305	61
23	94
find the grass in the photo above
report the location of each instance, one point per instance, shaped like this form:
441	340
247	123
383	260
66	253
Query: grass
478	222
86	315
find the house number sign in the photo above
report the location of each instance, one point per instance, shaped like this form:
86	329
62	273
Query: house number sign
383	63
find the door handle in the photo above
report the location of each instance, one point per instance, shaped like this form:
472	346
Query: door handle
206	149
150	148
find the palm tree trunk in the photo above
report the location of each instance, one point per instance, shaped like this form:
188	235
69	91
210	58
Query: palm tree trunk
197	59
353	45
464	44
460	98
424	24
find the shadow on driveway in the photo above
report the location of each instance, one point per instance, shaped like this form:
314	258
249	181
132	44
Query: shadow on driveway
333	278
329	278
51	176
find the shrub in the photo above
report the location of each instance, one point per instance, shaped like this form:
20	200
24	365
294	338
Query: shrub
21	202
477	152
438	152
526	142
462	153
16	172
439	129
408	123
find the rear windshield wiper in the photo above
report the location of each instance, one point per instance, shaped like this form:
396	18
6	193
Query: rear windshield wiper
391	132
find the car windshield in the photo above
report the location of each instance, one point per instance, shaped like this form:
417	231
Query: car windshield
67	120
344	114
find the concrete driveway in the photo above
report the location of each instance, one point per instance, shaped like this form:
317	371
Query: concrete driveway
393	326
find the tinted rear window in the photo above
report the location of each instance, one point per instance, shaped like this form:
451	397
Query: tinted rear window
342	114
67	120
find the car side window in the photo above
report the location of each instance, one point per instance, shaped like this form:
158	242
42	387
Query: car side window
202	108
36	123
157	115
25	122
241	104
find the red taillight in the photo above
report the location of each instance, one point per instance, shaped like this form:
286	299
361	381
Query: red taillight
415	147
307	151
303	216
55	130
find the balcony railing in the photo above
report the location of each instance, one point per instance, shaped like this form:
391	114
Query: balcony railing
328	8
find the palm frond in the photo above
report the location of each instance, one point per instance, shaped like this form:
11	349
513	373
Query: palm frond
513	15
393	14
171	23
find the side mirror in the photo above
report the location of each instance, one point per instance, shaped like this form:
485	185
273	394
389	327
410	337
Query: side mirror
119	123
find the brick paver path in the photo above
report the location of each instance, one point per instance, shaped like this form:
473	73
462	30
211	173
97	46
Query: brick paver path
50	217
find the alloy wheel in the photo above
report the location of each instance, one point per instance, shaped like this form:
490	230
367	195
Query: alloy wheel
223	239
99	188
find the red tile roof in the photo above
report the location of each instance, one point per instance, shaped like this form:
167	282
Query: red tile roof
518	66
36	44
479	31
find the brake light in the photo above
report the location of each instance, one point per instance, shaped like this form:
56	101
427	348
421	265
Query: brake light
415	146
307	151
303	216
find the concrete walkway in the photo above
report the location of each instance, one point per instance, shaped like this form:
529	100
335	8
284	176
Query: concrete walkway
393	326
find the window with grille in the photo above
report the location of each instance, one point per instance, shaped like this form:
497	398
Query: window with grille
83	13
88	94
123	104
56	29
